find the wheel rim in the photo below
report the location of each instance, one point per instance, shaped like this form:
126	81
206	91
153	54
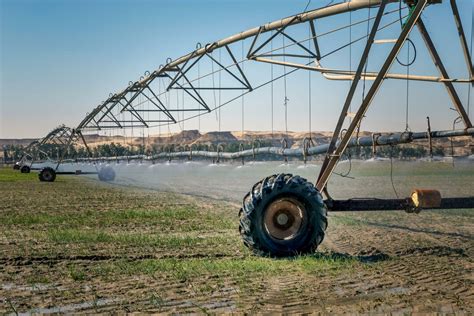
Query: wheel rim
284	218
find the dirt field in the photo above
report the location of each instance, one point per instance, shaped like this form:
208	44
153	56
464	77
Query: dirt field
77	245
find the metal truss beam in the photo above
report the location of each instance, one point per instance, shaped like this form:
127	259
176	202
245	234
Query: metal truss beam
462	38
352	90
334	155
444	73
346	75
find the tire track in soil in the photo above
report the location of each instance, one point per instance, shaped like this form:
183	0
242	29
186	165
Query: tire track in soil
24	261
361	240
437	271
175	297
183	298
430	279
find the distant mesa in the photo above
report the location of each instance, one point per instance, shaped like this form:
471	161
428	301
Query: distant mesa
183	137
216	137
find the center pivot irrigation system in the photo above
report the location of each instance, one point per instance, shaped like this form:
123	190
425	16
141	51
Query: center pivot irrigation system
285	214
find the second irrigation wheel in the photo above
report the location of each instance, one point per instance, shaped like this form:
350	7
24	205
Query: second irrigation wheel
48	174
106	174
283	215
25	169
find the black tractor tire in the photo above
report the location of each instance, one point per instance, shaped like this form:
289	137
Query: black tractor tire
106	174
283	215
25	169
48	174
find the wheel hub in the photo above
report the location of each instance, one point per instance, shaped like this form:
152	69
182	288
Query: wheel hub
284	218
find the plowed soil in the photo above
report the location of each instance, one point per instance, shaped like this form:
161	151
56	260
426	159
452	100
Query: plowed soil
80	246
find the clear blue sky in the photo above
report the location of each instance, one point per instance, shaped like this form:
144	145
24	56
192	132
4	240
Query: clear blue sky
60	58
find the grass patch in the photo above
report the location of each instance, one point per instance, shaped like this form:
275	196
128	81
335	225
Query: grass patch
37	278
76	273
346	220
74	236
183	270
9	175
67	236
35	219
189	219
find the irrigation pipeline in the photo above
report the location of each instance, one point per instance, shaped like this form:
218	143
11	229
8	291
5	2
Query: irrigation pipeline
365	141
